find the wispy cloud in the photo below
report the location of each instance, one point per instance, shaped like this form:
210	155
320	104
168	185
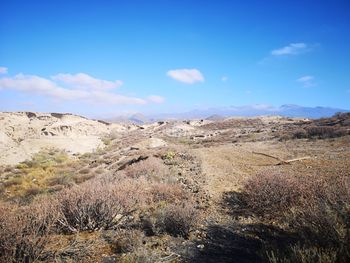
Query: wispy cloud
80	87
307	81
156	99
3	70
224	78
85	81
291	49
188	76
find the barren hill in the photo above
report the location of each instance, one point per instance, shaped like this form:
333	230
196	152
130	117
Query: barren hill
24	133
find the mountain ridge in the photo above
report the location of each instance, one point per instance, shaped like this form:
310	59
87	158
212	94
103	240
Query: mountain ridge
285	110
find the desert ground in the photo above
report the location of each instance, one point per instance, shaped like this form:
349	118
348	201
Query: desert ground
262	189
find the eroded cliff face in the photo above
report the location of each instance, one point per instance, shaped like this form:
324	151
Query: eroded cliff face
24	133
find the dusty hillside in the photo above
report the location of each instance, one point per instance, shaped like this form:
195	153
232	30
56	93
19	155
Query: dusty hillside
24	133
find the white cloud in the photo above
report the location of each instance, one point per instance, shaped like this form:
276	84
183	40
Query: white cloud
307	81
3	70
156	99
188	76
224	78
291	49
305	78
86	82
45	87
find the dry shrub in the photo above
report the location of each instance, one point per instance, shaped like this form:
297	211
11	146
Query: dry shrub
24	231
141	255
315	207
64	179
84	171
177	220
30	192
30	114
325	218
54	188
94	164
126	240
299	134
7	229
303	255
94	205
80	247
152	168
45	159
57	115
167	192
82	178
321	132
323	128
325	132
97	204
13	181
100	171
270	193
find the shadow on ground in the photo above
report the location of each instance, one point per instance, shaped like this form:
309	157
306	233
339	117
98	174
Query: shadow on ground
237	242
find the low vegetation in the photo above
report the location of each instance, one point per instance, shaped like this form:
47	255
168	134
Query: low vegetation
177	220
47	172
336	126
320	132
118	204
185	202
316	208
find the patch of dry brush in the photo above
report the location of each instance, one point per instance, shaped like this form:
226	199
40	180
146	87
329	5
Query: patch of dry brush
104	203
315	207
24	231
97	204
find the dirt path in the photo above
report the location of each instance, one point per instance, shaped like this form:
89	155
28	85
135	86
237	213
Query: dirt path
227	167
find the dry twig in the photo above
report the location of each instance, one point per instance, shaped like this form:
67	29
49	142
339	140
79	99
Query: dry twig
281	161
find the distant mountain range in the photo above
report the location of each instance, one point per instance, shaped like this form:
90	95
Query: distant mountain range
288	110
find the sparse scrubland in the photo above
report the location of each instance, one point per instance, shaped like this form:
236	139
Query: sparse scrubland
191	191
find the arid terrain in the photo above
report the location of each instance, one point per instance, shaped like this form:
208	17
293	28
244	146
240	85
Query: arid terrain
262	189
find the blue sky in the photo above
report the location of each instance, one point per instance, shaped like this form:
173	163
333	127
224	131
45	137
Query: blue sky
113	57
